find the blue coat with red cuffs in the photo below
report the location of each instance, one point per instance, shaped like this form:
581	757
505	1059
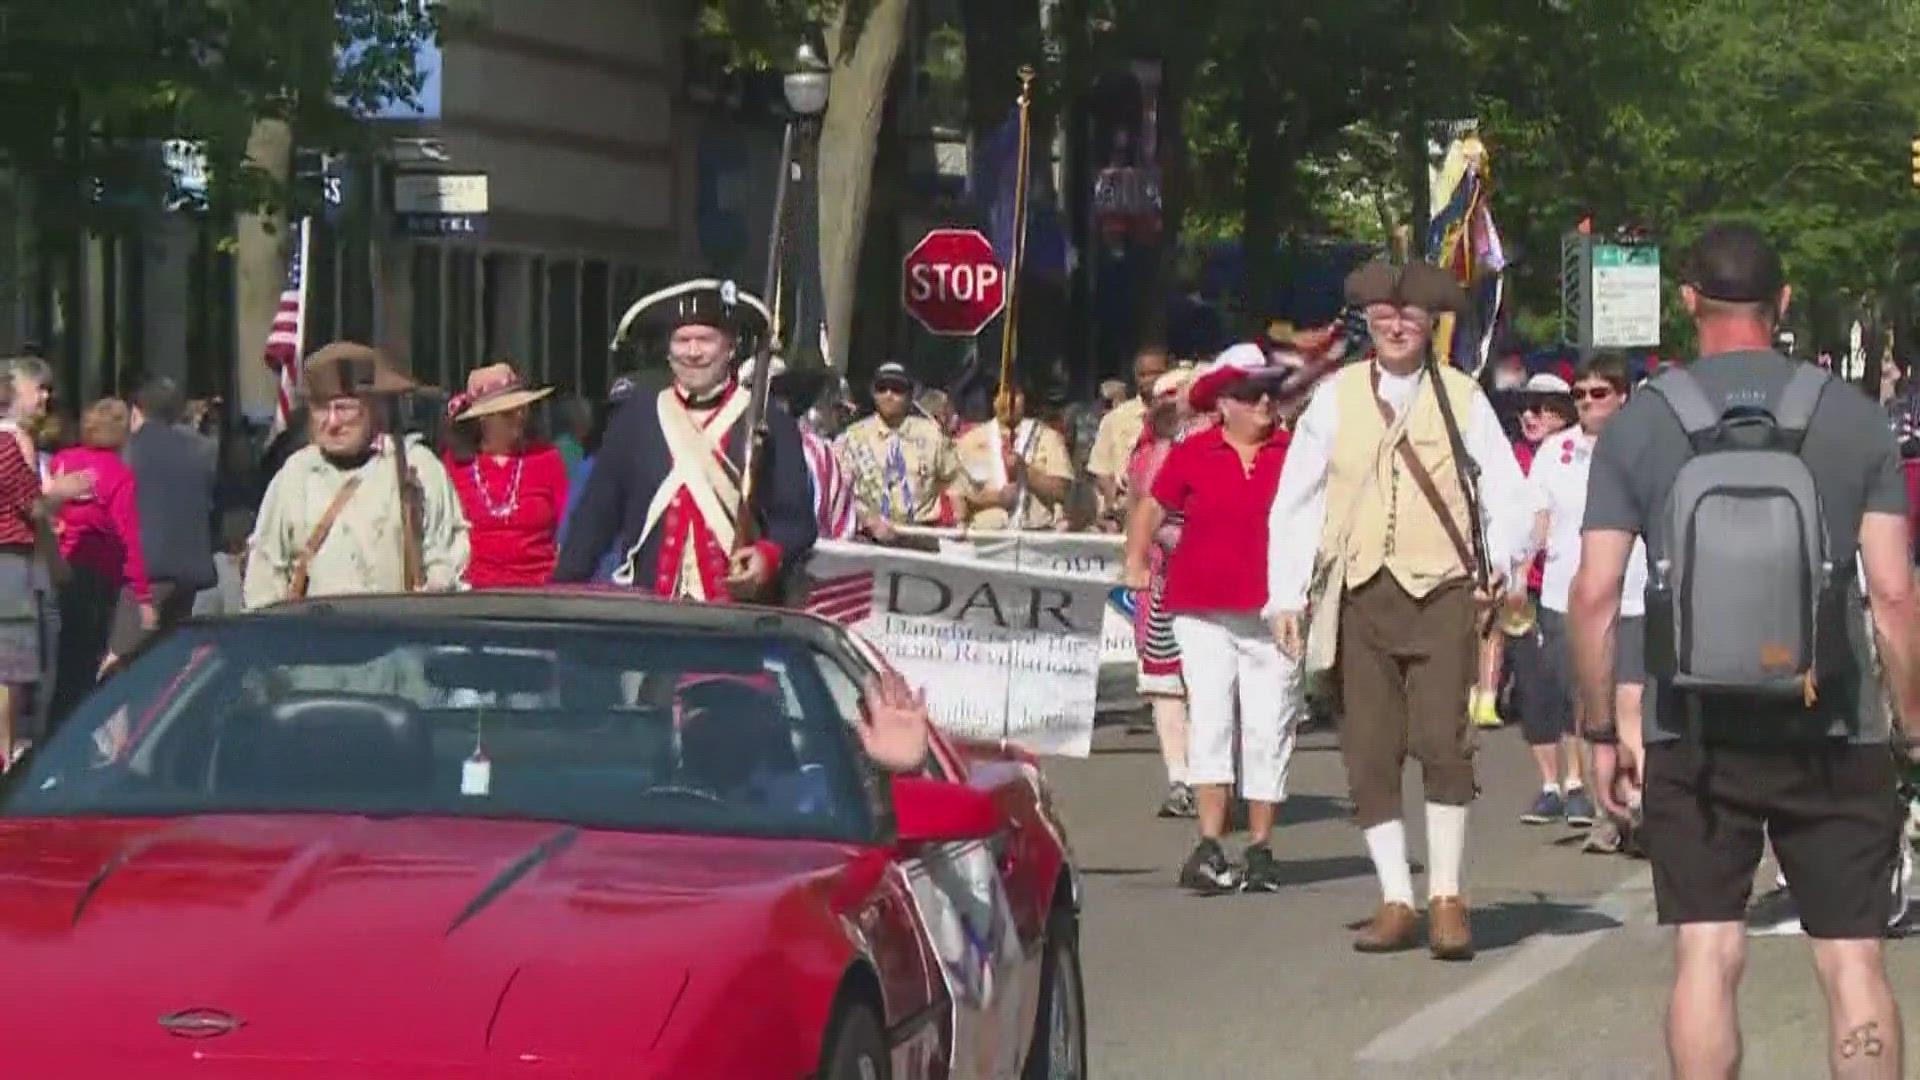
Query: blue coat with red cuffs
635	460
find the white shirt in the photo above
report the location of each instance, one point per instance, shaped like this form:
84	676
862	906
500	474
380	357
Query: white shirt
1559	483
1299	514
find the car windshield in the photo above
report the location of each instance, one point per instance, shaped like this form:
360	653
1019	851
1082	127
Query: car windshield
610	726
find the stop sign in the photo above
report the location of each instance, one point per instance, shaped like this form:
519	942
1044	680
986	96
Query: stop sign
951	282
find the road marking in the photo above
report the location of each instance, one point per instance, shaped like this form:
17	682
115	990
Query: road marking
1433	1027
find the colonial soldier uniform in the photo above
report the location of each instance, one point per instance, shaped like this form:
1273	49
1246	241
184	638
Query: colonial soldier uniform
667	486
1390	524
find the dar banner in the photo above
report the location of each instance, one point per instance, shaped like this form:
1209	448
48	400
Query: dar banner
1001	651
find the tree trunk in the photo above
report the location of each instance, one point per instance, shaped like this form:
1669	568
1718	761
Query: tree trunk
1170	151
863	47
260	268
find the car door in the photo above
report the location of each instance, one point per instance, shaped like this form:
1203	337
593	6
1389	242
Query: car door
969	921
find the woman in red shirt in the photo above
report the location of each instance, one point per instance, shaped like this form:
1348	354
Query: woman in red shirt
1222	481
512	488
100	540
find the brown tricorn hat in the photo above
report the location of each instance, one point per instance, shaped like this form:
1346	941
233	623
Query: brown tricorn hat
350	369
1415	284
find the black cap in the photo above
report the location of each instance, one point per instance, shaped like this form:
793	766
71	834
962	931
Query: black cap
892	373
1733	262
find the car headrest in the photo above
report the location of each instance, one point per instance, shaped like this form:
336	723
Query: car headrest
329	743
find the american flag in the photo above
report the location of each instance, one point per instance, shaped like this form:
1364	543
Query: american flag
846	599
287	340
832	494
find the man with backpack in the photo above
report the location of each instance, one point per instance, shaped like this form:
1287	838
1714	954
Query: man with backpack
1755	481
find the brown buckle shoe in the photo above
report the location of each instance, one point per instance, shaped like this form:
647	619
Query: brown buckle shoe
1395	928
1449	933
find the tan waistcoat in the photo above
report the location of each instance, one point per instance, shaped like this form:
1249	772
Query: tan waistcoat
1394	526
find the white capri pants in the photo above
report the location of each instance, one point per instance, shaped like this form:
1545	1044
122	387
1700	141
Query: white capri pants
1229	656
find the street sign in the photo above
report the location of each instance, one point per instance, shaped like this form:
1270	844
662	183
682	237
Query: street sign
1625	296
439	193
440	204
952	284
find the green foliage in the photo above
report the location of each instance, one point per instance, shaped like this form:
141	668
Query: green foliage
90	85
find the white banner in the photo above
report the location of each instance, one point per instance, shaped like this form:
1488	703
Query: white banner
1001	651
1097	554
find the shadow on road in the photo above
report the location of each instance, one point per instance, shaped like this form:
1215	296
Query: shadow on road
1511	922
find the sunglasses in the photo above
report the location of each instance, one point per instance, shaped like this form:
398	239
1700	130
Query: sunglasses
1592	393
1248	393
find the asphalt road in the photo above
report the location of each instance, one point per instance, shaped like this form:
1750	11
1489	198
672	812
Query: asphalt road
1569	983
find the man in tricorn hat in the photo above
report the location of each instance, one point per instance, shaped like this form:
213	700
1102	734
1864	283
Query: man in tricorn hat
1391	524
667	486
332	517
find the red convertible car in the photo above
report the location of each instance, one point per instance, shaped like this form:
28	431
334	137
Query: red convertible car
523	835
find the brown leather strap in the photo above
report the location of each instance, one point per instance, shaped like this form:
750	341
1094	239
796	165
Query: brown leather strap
297	584
1422	479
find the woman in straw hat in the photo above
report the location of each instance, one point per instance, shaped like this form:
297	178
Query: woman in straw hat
512	488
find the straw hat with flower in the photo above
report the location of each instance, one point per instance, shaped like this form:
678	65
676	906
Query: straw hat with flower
495	388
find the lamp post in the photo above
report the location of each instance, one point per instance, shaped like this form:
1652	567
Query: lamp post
805	87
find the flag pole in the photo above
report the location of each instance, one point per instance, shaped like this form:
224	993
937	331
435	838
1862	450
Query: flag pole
1010	330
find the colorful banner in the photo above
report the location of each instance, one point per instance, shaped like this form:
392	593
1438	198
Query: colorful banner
1003	652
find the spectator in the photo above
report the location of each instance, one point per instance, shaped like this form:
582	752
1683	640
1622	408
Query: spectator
226	598
1802	762
1119	433
100	539
173	471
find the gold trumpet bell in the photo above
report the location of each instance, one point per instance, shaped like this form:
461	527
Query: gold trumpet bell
1519	615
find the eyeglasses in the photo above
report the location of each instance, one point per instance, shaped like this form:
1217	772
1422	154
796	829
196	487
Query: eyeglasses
1592	393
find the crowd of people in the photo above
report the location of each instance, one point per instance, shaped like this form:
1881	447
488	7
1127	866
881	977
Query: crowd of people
1579	550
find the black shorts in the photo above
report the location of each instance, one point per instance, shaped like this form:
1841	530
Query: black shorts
1543	668
1832	813
1630	651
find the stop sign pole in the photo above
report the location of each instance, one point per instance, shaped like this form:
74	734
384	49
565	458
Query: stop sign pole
952	284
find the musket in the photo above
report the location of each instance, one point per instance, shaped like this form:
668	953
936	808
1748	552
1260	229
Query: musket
1010	330
746	527
412	520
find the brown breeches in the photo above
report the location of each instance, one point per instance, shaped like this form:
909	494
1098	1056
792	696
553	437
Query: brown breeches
1405	668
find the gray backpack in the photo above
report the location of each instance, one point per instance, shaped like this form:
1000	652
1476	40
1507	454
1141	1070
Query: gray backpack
1740	578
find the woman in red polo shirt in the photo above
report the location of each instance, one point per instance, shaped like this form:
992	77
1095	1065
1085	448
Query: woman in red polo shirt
512	488
1223	482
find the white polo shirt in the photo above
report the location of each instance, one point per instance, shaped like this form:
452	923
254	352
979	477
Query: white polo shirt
1559	482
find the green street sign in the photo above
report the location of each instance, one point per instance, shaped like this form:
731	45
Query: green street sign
1624	255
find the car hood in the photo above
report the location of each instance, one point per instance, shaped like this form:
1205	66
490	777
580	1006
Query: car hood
397	938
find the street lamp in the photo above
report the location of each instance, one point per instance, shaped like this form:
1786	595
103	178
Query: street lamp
806	84
806	87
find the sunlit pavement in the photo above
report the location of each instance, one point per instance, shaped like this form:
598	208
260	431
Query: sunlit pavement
1569	982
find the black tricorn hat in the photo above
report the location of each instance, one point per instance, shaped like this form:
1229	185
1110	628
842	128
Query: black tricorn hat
699	302
1415	284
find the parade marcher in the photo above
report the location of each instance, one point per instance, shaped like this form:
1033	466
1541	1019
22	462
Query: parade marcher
512	489
1549	713
667	486
1545	406
813	399
1119	433
634	386
901	464
1017	480
333	518
1159	678
1372	478
1221	482
1764	721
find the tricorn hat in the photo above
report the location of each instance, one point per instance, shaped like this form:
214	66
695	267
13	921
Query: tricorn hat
1415	284
699	302
350	369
